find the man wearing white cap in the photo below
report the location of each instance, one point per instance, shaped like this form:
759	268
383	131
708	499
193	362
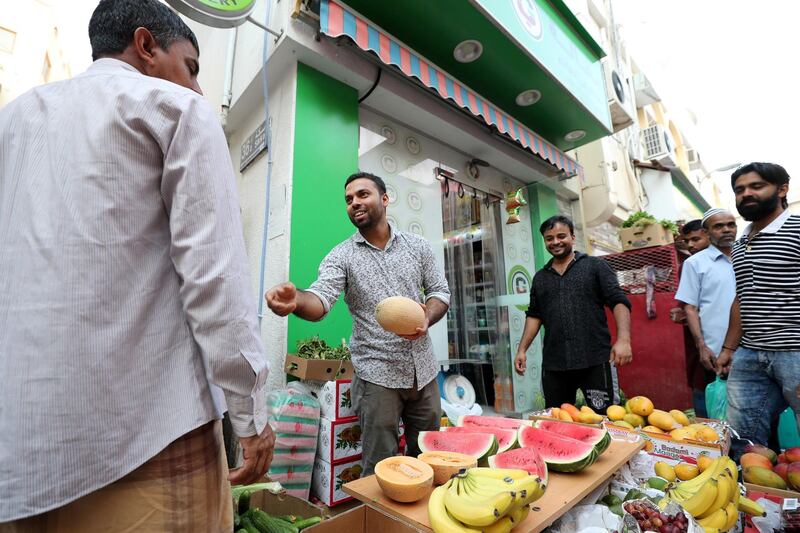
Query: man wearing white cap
707	289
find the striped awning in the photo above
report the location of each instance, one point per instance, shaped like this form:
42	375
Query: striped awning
337	20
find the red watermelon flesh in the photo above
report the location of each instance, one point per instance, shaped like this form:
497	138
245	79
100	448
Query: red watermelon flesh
491	421
478	445
589	435
562	454
524	458
506	438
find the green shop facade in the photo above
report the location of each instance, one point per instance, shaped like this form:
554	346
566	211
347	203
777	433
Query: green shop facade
455	104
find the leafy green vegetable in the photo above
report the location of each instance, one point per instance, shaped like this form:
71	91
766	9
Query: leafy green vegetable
643	218
316	348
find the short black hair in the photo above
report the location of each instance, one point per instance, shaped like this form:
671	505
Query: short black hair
770	172
366	175
114	21
551	222
692	226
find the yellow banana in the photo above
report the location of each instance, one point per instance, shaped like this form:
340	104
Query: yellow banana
504	525
724	494
746	505
691	486
474	512
498	473
710	529
701	500
733	516
717	519
519	514
440	519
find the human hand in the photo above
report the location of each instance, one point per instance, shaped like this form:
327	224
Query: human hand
282	299
723	363
257	452
520	363
621	353
420	331
706	357
677	315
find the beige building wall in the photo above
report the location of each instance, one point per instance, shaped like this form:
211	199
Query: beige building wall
30	49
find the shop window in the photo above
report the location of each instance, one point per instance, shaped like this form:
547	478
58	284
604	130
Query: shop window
7	40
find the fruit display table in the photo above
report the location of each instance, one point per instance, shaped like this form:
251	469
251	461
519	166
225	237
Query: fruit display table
563	492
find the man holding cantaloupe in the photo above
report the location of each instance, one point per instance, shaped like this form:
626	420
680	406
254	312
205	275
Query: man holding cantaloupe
395	372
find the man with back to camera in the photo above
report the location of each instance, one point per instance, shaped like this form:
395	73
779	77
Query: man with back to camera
706	290
761	352
124	288
395	374
568	297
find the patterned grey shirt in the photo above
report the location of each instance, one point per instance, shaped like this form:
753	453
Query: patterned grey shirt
367	275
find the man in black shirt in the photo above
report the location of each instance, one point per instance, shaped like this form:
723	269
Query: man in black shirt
568	298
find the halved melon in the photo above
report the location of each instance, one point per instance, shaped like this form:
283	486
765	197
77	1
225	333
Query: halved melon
478	445
506	437
447	464
400	315
562	454
404	479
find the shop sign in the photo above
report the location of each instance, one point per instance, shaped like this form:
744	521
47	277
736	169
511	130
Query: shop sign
216	13
253	145
542	33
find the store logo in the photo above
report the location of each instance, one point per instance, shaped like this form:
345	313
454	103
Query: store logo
215	13
528	15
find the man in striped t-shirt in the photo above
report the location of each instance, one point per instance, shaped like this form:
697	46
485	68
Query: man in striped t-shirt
764	329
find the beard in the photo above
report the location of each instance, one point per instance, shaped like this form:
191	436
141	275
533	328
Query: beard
758	209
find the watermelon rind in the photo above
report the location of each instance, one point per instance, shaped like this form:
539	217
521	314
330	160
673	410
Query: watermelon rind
478	445
562	454
596	436
492	421
506	438
527	459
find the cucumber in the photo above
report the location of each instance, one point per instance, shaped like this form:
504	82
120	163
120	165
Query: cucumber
307	522
270	524
248	525
244	502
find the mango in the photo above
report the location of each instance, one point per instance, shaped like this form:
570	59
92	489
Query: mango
572	410
762	450
665	470
615	412
628	406
634	420
792	455
624	424
765	477
793	473
586	409
704	461
707	434
641	405
782	458
554	412
652	429
658	483
680	417
782	469
590	418
662	420
754	459
685	471
680	434
565	416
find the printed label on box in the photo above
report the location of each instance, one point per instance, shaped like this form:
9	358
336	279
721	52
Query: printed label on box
334	398
328	480
339	440
669	449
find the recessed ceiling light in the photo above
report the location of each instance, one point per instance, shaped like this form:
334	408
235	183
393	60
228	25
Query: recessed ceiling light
575	135
529	97
468	51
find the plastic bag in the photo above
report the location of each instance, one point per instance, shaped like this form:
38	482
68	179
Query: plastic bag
717	399
294	416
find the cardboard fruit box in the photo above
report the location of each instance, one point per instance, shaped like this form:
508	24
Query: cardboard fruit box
339	440
645	236
754	492
334	398
662	445
318	369
328	479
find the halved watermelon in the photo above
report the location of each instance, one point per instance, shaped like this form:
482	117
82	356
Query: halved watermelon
478	445
562	454
596	436
492	421
506	438
524	458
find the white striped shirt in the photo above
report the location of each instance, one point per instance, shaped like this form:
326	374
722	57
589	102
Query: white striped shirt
123	283
767	271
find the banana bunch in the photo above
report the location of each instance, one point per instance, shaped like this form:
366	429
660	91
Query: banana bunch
713	497
491	500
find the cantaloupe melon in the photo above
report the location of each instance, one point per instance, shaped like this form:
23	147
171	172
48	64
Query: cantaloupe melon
446	464
400	315
404	479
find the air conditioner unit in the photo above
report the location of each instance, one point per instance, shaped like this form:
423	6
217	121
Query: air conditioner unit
693	158
658	145
620	98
